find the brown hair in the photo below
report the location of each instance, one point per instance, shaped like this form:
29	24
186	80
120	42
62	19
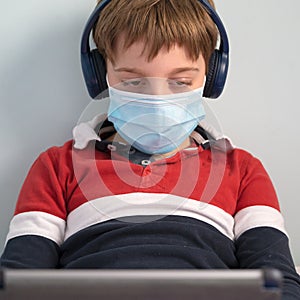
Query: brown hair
160	23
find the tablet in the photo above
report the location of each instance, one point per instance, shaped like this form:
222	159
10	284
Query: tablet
140	284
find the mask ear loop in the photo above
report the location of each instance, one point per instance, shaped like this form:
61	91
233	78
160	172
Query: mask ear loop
107	82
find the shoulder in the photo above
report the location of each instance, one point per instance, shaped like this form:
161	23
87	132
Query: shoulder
243	156
236	157
54	156
57	151
248	161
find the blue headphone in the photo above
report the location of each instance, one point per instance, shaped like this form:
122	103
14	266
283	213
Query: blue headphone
94	66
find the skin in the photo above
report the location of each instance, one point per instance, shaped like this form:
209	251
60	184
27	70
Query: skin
174	65
175	70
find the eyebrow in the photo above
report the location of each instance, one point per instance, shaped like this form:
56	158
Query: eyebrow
185	69
173	72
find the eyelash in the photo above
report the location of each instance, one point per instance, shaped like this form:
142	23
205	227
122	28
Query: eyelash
183	83
136	83
130	82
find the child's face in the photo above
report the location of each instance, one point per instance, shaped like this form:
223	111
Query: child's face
173	65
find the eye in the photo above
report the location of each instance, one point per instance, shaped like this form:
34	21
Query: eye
132	83
179	86
180	83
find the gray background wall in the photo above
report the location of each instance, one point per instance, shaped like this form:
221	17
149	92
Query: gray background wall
42	93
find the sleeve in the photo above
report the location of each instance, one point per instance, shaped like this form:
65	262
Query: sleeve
30	252
261	239
268	247
37	228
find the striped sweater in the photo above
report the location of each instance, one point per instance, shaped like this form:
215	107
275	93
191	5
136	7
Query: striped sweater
113	207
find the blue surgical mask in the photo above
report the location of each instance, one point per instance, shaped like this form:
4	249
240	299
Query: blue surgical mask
155	124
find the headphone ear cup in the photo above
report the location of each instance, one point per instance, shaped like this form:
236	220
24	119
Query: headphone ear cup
211	75
216	74
99	65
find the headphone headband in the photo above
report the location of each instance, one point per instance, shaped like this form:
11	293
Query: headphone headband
93	65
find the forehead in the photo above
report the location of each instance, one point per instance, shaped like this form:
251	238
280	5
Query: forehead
133	62
138	52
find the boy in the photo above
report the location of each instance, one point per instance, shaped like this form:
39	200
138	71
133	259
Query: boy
154	193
